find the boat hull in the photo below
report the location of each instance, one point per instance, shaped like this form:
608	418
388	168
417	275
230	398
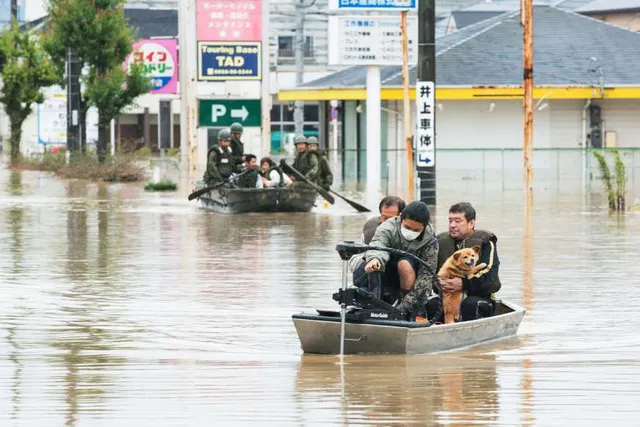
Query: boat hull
321	334
245	200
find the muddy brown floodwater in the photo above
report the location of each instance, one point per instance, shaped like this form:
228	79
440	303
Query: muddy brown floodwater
124	308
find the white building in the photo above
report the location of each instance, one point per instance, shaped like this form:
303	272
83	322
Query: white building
579	64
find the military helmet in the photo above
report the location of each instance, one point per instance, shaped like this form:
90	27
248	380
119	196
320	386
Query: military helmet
224	134
236	127
300	139
312	140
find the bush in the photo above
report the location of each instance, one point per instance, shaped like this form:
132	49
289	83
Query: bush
161	186
143	153
120	168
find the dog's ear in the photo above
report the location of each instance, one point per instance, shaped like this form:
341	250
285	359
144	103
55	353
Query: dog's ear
456	256
476	249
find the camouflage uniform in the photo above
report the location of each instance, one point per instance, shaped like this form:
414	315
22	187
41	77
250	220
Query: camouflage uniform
237	147
306	162
219	165
425	247
325	176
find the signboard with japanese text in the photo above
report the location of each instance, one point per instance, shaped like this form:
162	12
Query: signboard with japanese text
159	59
52	118
224	112
373	4
425	123
219	61
229	20
370	40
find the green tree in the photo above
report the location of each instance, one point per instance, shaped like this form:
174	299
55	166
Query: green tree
25	68
98	32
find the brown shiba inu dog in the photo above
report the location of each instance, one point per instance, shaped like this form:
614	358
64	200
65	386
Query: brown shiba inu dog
461	264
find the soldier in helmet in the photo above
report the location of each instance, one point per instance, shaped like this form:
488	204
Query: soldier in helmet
219	160
236	144
325	177
305	162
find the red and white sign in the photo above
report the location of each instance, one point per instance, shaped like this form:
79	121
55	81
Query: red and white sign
229	20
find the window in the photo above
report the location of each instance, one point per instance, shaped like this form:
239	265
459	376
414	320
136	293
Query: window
311	113
276	113
287	48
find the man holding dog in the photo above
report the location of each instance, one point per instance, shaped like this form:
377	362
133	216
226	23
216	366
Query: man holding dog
479	289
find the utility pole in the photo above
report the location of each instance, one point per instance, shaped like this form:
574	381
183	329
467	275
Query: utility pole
299	45
14	9
406	109
425	89
73	101
526	16
188	100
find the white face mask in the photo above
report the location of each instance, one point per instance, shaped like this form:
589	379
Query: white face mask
408	234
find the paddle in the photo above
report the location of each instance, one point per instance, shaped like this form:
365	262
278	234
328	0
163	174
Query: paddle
355	205
201	191
325	195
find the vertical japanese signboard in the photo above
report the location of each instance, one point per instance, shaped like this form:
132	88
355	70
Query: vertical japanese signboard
425	100
159	59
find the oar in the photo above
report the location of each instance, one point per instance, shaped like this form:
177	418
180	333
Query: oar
201	191
355	205
325	195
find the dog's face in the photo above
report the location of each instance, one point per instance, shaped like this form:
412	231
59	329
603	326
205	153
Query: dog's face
466	258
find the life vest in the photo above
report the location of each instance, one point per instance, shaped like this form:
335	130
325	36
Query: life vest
224	161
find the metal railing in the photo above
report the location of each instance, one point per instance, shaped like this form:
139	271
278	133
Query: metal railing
555	169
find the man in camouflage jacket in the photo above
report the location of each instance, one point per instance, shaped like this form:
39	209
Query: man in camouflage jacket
386	275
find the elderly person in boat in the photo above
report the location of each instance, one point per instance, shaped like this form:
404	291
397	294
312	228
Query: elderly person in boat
480	288
392	277
271	175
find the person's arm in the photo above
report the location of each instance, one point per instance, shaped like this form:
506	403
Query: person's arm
212	166
328	174
381	239
414	302
480	284
313	168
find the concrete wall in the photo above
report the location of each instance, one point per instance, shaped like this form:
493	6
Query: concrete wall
627	20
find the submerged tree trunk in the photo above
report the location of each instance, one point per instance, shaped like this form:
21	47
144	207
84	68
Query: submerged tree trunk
14	139
102	146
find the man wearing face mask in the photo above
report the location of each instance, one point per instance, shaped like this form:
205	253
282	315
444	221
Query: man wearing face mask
411	282
389	207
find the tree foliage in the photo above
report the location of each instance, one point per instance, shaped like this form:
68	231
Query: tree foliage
25	68
98	32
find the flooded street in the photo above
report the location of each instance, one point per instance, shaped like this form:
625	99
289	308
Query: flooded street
125	308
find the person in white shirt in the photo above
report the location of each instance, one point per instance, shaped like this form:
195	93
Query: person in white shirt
271	175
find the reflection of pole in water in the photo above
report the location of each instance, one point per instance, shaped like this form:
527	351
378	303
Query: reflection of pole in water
527	393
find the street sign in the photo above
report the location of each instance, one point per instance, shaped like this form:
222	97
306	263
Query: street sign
370	40
229	61
223	112
373	4
425	142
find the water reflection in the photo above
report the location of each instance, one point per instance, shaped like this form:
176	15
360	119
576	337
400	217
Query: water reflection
407	389
118	303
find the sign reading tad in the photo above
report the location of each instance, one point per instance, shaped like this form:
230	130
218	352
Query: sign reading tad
229	61
220	113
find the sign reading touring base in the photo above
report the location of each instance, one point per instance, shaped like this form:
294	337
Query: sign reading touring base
425	143
222	112
229	61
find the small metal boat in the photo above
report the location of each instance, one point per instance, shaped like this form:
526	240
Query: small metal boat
371	326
